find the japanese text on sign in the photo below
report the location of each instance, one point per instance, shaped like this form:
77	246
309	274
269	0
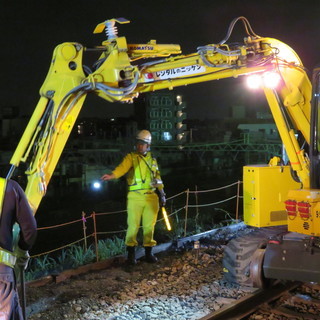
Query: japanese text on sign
174	73
177	72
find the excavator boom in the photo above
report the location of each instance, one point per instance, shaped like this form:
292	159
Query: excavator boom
123	71
275	194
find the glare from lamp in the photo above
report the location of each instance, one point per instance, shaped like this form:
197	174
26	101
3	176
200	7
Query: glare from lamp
254	81
96	185
271	79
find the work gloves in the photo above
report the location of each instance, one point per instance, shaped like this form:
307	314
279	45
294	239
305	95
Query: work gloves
22	258
162	198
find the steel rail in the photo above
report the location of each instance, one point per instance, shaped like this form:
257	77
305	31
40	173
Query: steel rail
251	303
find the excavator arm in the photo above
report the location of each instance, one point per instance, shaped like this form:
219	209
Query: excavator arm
123	71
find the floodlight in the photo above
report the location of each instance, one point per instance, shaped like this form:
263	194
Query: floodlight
271	79
254	81
267	80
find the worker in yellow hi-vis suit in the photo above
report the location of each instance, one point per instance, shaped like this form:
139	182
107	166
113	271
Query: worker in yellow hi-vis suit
143	178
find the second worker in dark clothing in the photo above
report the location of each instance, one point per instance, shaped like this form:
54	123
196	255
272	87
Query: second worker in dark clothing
15	209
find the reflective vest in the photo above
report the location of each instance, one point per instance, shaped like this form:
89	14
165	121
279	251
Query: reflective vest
6	257
144	170
3	184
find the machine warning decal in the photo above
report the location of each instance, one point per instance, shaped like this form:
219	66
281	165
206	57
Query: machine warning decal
174	73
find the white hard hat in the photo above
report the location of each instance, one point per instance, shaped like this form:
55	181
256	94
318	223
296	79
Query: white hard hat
144	135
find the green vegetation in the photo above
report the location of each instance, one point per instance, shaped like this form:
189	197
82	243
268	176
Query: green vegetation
111	247
73	257
77	255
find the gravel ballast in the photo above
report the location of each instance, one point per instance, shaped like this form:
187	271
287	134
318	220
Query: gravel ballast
185	284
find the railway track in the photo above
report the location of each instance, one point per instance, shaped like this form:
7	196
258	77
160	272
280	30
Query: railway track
186	284
252	302
283	300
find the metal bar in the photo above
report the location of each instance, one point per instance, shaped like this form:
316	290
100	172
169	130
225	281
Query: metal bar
249	304
186	213
23	293
238	197
95	235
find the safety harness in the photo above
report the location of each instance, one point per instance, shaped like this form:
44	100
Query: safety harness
6	257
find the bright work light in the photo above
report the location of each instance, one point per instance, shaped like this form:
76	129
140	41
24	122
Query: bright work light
271	79
268	80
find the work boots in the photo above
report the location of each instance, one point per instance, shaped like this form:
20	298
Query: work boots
131	260
149	256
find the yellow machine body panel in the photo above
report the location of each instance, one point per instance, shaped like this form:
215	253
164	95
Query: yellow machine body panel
265	188
303	207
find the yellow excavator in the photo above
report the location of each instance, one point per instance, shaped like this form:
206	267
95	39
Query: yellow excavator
281	200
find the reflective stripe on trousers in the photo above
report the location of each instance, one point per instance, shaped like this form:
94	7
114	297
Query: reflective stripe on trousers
142	206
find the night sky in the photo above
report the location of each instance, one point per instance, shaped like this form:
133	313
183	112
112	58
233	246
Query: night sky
30	30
